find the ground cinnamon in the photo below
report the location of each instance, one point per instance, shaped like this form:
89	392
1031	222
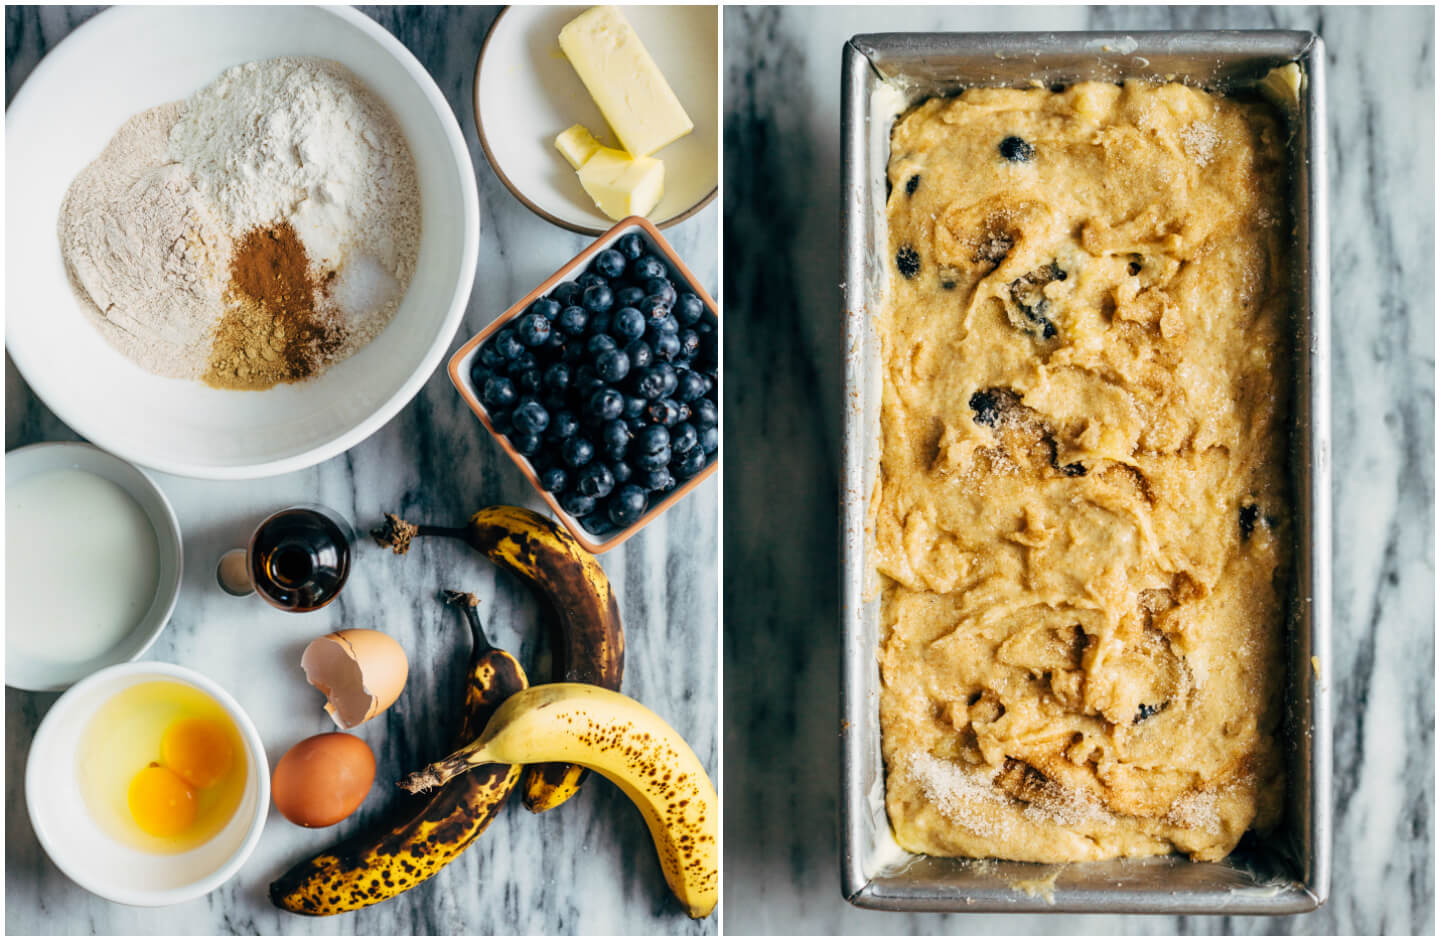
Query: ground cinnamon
272	330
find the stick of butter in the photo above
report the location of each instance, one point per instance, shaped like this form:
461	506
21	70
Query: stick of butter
622	185
624	81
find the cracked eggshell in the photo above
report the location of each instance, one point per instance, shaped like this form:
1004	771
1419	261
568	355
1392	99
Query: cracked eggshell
361	673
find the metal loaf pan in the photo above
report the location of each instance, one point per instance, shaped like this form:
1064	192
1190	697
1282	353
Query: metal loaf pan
1285	871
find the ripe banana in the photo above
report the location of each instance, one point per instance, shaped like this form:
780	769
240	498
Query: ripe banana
627	743
420	836
589	643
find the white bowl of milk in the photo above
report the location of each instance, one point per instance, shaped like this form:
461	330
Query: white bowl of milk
92	564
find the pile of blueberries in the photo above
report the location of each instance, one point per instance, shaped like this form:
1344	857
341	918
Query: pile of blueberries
608	386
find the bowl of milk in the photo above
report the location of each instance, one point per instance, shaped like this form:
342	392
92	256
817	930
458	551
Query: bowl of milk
92	564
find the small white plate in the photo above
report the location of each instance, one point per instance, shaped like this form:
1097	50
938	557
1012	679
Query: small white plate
25	672
86	853
526	93
61	119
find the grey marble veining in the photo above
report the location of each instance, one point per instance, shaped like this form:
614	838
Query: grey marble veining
587	867
784	379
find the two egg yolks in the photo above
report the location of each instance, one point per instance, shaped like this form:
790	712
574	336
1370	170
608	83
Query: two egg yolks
194	754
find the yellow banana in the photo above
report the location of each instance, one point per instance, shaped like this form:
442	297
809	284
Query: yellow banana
616	736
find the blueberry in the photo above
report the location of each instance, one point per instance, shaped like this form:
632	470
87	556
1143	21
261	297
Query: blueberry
547	308
500	421
661	287
986	408
595	480
573	320
640	354
479	372
577	504
632	246
530	415
710	439
508	344
646	267
609	264
666	345
598	344
650	383
577	451
599	322
498	393
908	261
563	424
628	324
554	343
706	414
566	293
655	461
554	479
912	184
1016	150
659	480
616	435
589	280
528	381
653	439
621	471
627	506
605	403
663	412
689	308
526	360
597	523
692	463
526	442
490	356
573	353
556	376
669	378
654	307
689	344
683	438
629	296
597	297
613	365
666	324
635	406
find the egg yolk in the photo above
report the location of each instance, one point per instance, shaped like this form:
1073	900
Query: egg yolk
161	801
197	750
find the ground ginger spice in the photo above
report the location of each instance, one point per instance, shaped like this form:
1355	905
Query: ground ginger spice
272	330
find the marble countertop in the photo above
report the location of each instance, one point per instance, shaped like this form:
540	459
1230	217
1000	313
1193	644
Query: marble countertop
587	867
784	385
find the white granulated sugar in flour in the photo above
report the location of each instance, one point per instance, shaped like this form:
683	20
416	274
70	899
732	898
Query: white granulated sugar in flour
300	140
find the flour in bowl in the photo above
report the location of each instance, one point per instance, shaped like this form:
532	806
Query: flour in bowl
258	233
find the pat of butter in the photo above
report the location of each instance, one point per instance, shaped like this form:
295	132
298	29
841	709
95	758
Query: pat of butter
577	144
624	81
622	185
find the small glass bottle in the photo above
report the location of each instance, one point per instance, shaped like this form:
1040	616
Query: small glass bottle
298	559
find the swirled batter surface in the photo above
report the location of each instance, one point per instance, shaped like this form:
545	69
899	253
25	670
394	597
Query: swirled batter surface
1082	516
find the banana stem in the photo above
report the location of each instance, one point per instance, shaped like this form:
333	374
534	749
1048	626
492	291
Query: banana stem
467	603
395	534
437	773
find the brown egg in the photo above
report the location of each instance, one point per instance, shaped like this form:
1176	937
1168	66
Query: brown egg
323	779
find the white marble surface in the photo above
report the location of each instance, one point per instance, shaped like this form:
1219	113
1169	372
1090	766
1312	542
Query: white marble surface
587	867
783	368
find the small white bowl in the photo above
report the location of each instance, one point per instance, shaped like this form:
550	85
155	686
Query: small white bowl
62	118
526	92
25	672
89	856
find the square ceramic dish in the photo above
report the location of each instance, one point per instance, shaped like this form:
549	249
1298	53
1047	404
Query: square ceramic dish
460	373
1285	871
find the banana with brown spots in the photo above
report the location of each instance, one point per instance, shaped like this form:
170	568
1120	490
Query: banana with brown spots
618	737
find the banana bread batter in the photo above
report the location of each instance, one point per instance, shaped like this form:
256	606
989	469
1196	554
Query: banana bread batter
1082	516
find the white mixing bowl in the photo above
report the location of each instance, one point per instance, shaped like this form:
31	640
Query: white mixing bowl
90	856
128	59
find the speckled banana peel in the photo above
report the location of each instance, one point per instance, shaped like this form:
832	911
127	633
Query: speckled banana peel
616	736
588	642
421	835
